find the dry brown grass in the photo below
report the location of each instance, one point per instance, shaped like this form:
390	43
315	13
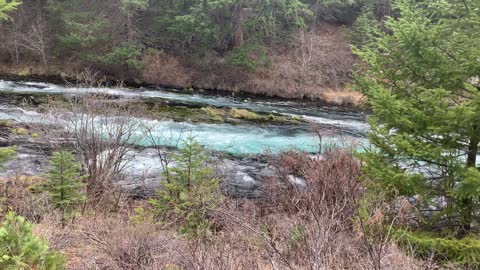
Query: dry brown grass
318	67
343	98
16	194
292	227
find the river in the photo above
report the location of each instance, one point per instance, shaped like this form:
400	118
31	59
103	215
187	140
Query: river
243	139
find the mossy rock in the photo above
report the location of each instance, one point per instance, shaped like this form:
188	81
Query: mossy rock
20	131
215	114
243	114
5	123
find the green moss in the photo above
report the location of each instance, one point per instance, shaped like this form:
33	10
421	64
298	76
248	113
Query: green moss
243	114
215	114
5	123
20	131
211	114
6	153
35	135
295	118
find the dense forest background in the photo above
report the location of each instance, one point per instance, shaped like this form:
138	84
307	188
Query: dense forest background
289	48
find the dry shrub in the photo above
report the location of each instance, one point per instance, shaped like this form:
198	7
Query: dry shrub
130	247
112	243
225	251
331	184
101	132
166	70
343	97
319	67
17	195
302	227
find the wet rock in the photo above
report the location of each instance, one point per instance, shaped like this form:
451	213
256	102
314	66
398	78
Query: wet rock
142	173
297	181
244	177
29	160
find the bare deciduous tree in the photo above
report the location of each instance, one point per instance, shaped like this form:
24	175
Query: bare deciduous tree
102	131
35	40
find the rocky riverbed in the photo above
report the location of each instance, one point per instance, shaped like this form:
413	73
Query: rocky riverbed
142	174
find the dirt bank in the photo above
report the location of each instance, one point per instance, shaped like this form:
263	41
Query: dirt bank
318	66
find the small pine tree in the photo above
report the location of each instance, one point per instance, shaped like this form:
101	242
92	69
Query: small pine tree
21	249
191	192
363	29
64	183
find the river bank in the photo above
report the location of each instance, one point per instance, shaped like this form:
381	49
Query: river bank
318	69
340	97
238	149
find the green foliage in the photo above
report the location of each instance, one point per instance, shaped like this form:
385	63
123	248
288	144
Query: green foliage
206	25
6	153
275	20
243	114
128	6
20	131
336	11
426	109
77	30
249	57
463	252
64	184
363	29
297	237
21	249
191	192
126	54
8	6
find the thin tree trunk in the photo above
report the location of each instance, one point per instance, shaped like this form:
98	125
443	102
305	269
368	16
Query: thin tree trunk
238	26
466	217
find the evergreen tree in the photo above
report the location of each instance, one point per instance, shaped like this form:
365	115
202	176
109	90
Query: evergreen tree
64	183
21	249
422	85
7	6
191	191
363	29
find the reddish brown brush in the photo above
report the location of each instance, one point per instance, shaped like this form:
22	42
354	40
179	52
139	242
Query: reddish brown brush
330	183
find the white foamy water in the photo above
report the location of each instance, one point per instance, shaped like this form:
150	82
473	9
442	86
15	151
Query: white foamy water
351	122
241	139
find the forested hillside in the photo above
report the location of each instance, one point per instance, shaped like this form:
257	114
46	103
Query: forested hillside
289	48
97	172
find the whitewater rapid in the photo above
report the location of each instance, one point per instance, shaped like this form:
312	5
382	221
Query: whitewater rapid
234	139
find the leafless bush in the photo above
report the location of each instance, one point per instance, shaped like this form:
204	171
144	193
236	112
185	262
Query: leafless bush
375	225
159	142
88	78
127	246
307	226
17	195
330	184
102	132
36	39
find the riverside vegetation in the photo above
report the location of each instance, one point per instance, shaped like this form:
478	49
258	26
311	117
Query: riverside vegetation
409	201
235	45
